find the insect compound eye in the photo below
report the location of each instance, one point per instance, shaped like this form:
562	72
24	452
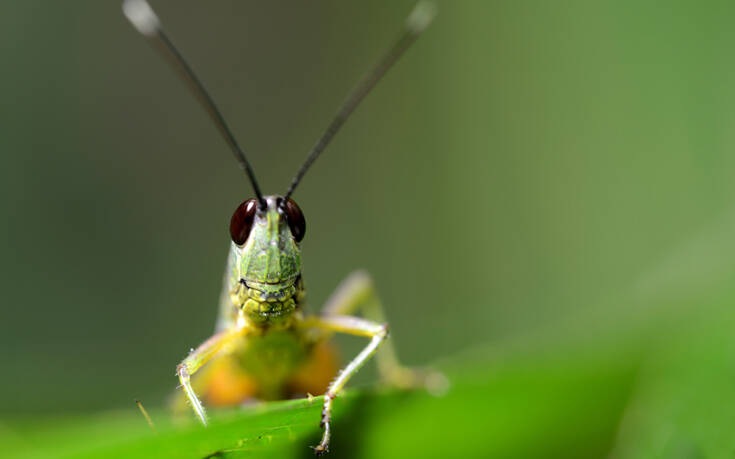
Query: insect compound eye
295	219
242	221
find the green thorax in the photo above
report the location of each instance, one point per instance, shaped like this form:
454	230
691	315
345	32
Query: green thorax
270	360
264	279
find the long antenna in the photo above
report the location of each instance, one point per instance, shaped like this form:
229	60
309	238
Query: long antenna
145	20
419	18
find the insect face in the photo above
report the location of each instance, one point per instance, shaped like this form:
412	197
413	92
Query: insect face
267	257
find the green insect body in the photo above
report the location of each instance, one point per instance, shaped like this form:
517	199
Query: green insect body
265	345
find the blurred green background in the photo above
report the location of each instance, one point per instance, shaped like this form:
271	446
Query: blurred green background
529	171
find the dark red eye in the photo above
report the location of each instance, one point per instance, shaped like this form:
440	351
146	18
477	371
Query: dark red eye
295	219
242	221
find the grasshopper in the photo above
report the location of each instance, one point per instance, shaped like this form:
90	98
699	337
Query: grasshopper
265	345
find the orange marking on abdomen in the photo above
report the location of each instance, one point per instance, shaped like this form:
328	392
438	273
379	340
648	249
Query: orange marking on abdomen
316	373
228	385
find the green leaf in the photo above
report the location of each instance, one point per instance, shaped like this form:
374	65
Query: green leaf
562	404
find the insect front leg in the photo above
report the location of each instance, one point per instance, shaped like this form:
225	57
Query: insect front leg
354	326
197	358
358	292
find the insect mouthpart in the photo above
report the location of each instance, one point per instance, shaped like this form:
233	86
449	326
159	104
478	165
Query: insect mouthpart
269	293
267	302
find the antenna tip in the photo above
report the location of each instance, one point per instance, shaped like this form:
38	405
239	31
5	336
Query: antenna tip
421	16
141	15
